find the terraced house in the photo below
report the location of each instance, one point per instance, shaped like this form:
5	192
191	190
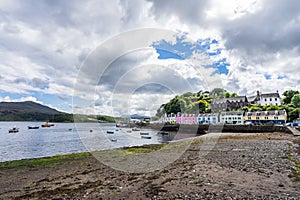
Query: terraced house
232	117
225	104
208	118
266	117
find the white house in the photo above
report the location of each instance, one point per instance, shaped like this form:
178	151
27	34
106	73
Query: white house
232	117
208	118
265	99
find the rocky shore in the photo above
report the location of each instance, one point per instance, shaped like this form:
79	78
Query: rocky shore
239	166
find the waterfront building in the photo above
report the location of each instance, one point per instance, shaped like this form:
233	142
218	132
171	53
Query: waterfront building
186	119
265	99
171	119
232	117
208	118
225	104
266	117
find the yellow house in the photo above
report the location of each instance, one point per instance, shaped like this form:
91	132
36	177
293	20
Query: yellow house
266	117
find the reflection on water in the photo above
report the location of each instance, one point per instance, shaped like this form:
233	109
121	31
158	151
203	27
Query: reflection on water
65	138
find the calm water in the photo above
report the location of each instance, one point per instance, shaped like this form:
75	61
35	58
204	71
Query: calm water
65	138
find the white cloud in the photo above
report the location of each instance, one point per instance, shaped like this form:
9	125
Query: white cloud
43	45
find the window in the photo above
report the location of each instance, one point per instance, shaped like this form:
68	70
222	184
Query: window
275	99
266	117
270	99
257	117
249	118
265	99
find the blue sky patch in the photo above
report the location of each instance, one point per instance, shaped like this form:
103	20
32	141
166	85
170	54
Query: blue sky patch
182	50
282	77
267	76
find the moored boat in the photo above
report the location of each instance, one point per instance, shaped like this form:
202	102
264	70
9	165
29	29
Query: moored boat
110	132
33	127
145	137
13	130
47	124
144	133
135	129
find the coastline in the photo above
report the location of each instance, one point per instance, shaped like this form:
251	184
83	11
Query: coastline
239	166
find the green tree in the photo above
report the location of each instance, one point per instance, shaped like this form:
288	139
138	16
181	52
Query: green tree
255	108
294	114
218	93
289	95
272	107
296	100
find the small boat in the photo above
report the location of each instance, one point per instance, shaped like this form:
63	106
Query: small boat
121	125
110	132
113	140
47	124
145	137
136	129
144	133
129	131
33	127
163	133
13	130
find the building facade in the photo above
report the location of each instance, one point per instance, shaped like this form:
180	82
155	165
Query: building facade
208	118
225	104
265	99
232	117
266	117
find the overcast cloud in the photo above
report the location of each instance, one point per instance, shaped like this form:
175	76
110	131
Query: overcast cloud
50	47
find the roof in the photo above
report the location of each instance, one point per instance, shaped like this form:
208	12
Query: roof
267	95
266	113
252	98
233	113
232	99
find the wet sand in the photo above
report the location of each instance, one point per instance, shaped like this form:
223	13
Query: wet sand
249	166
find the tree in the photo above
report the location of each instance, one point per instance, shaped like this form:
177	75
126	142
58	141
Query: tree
294	114
255	108
218	93
272	107
289	95
296	100
234	95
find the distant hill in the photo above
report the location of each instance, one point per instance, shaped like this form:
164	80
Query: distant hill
26	111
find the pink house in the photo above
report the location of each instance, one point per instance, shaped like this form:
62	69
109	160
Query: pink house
187	119
178	118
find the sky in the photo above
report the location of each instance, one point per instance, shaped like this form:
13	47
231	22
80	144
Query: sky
125	57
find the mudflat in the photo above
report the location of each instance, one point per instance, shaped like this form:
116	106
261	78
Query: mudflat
255	166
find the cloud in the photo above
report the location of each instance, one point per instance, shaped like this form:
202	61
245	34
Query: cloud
48	47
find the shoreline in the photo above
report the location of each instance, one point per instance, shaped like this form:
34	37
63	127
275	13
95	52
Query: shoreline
252	166
207	136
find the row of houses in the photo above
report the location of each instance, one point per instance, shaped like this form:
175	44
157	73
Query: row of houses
231	117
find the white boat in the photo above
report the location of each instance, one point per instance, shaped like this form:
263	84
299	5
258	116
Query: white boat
135	129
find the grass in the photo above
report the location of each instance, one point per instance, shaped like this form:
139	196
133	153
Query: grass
296	170
43	161
142	149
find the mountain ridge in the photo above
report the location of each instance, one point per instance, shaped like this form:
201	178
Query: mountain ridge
26	111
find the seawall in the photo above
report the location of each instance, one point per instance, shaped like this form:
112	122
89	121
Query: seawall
233	128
